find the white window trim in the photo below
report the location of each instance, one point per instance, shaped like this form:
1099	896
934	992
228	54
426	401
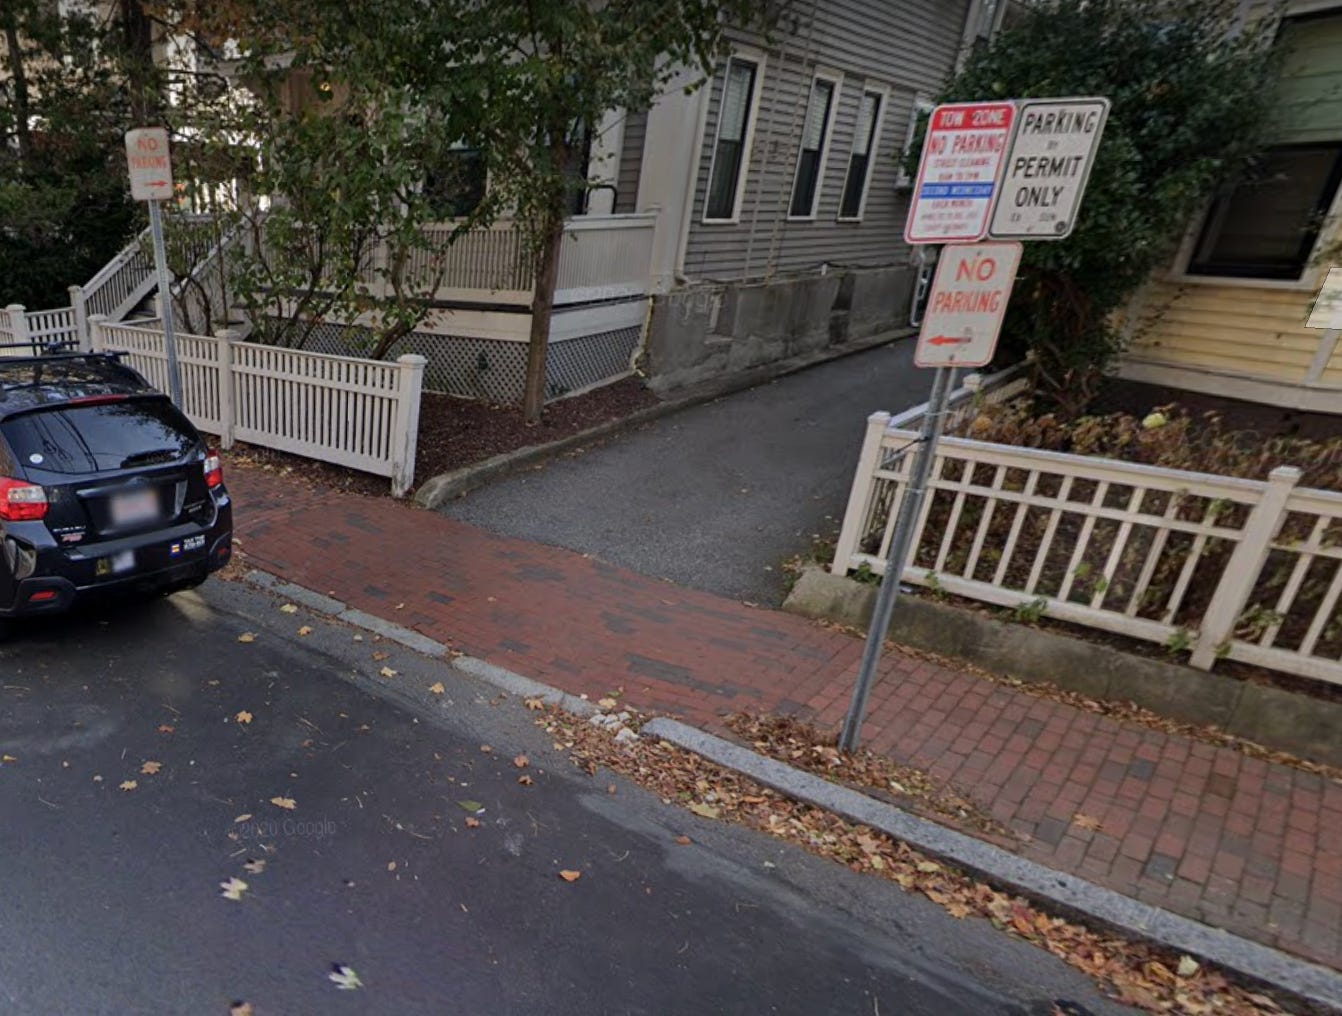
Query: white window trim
922	103
872	155
747	142
1310	278
835	78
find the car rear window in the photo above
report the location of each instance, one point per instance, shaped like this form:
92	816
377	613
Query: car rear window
97	438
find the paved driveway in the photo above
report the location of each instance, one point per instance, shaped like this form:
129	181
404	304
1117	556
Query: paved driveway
718	496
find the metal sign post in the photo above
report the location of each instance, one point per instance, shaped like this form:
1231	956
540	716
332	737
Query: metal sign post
151	181
909	508
964	316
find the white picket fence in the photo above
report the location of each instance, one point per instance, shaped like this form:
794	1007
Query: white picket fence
27	332
1218	566
363	414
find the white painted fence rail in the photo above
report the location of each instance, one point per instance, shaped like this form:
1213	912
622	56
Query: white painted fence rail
363	414
31	331
1217	566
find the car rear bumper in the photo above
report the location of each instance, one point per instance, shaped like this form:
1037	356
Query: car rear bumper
174	557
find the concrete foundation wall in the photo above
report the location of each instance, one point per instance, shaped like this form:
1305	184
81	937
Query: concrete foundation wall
714	330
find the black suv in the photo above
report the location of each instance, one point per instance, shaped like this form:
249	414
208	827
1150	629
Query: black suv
104	486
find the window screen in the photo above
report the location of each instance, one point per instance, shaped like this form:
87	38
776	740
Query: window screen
1265	226
812	147
737	93
864	138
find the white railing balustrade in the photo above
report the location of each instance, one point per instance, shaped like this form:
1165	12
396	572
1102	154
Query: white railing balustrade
1217	566
363	414
603	257
29	332
123	282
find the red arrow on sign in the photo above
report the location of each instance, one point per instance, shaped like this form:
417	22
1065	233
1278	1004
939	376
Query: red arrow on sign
157	183
948	340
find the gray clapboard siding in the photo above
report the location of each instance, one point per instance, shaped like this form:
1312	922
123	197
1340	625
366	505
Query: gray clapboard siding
631	159
902	46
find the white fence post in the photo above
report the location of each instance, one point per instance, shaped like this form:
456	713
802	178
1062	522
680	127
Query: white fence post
227	386
18	323
859	496
406	440
1245	564
81	310
97	338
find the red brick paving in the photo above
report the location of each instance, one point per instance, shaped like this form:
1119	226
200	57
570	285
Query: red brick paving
1205	831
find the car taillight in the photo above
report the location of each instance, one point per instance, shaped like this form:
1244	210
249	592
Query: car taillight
20	501
214	470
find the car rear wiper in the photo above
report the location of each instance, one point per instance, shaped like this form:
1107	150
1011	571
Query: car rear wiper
144	458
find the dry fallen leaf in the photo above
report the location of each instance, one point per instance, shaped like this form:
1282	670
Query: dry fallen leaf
287	803
570	876
150	768
610	788
128	784
474	807
1085	821
242	818
305	630
1187	966
525	780
254	867
684	841
344	978
380	656
232	889
521	761
535	703
241	1009
607	703
472	823
437	688
391	865
164	728
243	716
8	758
289	608
387	672
247	637
704	810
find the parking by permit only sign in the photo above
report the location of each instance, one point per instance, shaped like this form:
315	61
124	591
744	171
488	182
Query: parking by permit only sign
969	298
962	159
1047	167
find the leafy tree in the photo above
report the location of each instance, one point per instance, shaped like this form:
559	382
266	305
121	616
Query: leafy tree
64	206
396	90
1190	88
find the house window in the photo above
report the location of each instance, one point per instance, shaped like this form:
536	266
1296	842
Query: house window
729	150
814	141
1265	226
456	186
865	139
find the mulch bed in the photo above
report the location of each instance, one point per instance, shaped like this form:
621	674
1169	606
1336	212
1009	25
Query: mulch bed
457	432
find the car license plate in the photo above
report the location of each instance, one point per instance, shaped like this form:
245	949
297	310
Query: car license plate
135	507
117	564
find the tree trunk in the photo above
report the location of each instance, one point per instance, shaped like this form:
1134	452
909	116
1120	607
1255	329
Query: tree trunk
137	34
542	310
19	76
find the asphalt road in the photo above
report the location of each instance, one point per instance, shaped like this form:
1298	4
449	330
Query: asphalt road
110	901
718	496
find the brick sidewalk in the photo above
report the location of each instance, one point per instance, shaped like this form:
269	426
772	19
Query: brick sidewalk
1204	831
